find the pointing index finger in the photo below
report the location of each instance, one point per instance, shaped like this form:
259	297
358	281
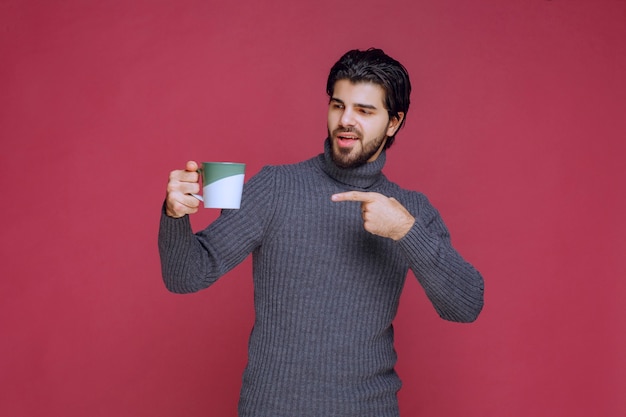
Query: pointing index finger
354	196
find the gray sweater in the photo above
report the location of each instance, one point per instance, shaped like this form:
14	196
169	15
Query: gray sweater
325	290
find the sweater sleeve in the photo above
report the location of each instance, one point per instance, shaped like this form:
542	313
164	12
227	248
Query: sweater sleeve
453	285
191	262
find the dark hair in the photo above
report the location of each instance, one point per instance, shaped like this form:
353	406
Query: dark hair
374	66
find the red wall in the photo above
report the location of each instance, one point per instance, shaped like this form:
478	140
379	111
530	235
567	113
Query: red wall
516	133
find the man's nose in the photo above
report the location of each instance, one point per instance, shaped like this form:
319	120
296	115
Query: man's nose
347	117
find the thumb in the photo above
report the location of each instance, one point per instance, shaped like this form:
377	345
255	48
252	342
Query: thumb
191	166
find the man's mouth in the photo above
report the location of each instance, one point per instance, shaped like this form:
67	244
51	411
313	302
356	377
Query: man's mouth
345	139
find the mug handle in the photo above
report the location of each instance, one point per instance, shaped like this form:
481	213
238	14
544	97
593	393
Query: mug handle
198	196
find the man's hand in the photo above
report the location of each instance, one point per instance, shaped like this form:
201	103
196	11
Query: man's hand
383	216
178	202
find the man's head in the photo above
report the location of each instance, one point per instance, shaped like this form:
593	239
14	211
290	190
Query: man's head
375	67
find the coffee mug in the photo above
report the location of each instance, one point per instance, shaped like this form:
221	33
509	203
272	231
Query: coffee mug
222	184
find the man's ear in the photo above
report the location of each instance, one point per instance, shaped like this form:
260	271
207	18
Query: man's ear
394	124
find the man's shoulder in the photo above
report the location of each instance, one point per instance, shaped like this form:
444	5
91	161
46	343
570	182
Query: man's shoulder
291	168
404	194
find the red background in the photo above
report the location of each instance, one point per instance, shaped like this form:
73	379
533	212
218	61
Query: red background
516	133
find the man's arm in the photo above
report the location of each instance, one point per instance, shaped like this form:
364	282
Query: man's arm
454	286
191	262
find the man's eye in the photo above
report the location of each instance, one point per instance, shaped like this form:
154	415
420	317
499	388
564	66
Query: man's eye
364	111
337	106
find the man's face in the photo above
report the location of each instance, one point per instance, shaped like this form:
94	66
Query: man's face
358	123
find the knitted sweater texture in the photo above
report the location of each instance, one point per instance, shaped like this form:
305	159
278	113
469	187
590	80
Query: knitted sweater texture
325	290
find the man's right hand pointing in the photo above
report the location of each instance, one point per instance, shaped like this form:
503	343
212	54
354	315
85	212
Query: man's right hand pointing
383	216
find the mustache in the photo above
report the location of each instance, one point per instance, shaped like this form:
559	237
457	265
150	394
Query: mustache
347	130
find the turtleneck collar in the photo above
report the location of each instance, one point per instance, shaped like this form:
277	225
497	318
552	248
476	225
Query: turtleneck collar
362	177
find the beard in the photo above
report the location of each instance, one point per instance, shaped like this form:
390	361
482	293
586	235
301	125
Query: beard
353	158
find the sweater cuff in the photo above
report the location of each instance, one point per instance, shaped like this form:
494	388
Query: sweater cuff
171	226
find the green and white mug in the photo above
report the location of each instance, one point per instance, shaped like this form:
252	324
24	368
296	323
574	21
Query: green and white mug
222	184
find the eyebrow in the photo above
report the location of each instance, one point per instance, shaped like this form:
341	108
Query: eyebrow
361	105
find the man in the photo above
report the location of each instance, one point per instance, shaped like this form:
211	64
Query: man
332	241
